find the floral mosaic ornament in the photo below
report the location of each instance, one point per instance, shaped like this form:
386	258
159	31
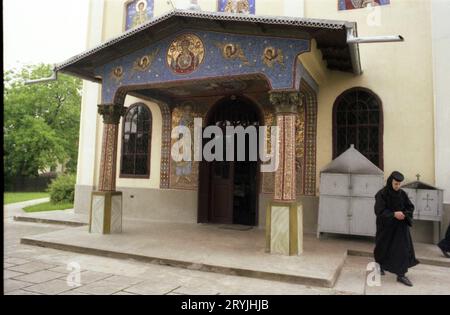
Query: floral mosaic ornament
231	51
272	55
185	54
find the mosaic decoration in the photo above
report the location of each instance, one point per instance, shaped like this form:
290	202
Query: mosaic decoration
285	103
185	54
165	145
184	174
111	117
305	144
143	63
117	74
271	56
232	51
278	189
300	147
138	12
358	4
237	6
268	179
289	158
107	178
309	171
203	60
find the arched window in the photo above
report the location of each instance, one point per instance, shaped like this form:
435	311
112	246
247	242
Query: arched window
136	142
358	120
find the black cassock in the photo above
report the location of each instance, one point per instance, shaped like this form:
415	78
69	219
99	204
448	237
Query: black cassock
445	243
394	249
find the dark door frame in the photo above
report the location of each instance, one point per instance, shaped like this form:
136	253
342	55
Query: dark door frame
204	187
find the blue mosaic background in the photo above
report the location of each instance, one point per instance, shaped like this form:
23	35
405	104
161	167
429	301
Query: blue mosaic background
213	65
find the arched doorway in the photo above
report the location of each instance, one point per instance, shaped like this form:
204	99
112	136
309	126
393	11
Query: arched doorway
228	190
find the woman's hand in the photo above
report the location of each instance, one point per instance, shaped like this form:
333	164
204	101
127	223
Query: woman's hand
399	215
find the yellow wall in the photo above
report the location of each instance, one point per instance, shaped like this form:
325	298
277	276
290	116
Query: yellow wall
399	73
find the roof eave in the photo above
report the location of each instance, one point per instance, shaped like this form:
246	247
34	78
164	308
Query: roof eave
67	66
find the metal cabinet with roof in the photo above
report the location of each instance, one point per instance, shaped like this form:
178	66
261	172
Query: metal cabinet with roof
427	199
348	186
428	203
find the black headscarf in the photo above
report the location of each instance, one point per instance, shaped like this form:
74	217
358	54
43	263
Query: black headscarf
394	198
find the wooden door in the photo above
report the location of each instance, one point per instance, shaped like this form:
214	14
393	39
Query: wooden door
221	201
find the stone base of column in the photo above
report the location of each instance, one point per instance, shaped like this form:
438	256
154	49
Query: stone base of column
284	228
105	215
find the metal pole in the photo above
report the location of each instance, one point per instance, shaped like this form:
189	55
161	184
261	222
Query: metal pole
53	77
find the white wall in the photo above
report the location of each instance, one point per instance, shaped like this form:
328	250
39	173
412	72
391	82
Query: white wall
440	24
294	8
90	98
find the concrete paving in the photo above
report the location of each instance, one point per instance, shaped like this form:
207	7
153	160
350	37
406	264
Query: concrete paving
13	209
204	247
30	270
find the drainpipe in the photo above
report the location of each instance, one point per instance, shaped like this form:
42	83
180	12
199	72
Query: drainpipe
354	50
372	39
353	40
53	77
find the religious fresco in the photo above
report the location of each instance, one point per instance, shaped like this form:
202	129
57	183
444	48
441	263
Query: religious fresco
271	56
143	63
184	174
205	55
358	4
237	6
117	74
138	12
185	54
233	51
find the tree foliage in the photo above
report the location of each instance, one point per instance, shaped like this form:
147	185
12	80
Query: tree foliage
41	121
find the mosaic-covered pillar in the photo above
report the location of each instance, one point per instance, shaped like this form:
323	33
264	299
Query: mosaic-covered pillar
284	218
105	215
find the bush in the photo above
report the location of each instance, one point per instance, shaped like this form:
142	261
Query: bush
62	189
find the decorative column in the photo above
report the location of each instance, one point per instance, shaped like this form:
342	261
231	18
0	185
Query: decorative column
284	218
105	215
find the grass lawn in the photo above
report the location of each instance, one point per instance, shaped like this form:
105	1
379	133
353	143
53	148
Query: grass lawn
48	206
12	197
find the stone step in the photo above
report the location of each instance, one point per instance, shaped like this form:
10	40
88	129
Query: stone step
48	221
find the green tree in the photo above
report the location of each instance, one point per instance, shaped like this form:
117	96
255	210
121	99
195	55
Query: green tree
41	121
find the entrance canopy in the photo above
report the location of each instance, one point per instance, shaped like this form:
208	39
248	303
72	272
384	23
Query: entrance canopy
194	47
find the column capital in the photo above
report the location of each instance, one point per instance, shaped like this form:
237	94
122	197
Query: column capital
111	113
285	102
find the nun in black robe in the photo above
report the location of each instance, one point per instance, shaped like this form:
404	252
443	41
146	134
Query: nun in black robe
394	250
444	244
